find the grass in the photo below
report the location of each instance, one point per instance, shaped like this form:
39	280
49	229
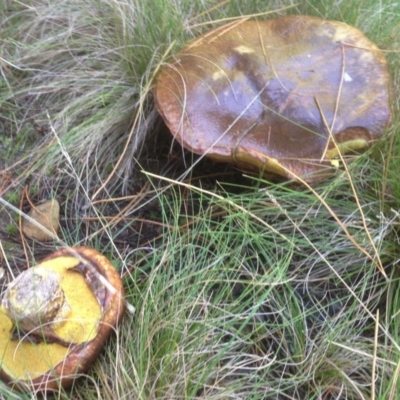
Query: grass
243	288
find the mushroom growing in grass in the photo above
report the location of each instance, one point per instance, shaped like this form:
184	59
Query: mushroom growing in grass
288	95
56	317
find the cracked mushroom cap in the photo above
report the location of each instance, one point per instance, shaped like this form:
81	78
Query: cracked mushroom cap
47	340
284	95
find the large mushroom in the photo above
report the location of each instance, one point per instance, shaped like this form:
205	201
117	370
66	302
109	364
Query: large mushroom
55	318
287	95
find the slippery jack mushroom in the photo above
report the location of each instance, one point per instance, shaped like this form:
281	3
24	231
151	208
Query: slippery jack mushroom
56	317
287	95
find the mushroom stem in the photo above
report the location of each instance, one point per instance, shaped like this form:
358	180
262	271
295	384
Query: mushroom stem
35	302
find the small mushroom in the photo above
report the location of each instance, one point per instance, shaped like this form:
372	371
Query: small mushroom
285	95
56	317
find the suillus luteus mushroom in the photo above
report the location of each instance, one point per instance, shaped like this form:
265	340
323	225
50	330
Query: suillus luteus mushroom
55	318
286	95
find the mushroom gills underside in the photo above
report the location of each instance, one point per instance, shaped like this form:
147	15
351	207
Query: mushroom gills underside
25	360
269	165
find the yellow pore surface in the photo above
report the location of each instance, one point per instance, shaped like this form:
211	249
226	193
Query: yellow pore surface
341	148
22	360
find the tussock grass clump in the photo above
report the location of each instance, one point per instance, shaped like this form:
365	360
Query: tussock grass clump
76	78
243	288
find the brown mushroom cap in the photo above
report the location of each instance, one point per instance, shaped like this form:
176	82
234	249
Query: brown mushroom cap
94	292
277	94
